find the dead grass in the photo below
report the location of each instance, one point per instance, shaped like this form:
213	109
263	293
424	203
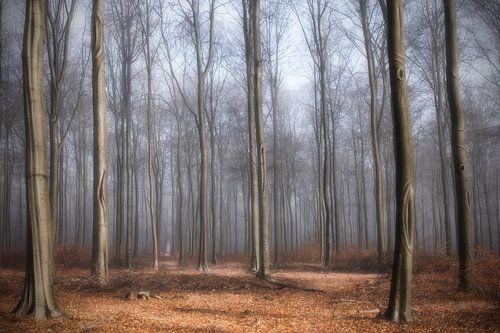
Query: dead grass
229	299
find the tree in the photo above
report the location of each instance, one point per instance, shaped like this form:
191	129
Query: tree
148	27
204	58
320	16
263	194
400	292
59	18
99	267
124	15
252	150
375	125
428	57
460	164
38	296
276	19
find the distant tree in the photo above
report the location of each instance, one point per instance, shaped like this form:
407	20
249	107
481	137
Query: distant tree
400	293
460	164
319	13
58	22
148	24
381	214
99	267
276	20
38	296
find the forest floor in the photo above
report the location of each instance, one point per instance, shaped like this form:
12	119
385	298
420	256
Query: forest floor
229	299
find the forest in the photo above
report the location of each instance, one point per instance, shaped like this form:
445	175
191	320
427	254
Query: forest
249	166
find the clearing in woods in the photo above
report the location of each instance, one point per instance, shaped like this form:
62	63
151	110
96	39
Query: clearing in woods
229	299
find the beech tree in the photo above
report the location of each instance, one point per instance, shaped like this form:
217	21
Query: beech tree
460	164
263	194
252	150
99	267
38	296
400	293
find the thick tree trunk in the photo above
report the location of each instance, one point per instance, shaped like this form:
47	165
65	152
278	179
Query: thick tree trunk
38	297
400	293
99	266
460	164
254	202
263	194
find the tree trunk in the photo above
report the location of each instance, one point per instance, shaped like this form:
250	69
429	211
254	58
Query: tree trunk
254	202
38	296
400	293
374	124
462	192
180	193
99	267
152	167
260	144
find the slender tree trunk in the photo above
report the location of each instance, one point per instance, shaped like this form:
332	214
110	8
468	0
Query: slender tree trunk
460	164
374	123
99	266
180	193
203	243
260	143
400	293
7	191
254	202
152	167
152	172
38	296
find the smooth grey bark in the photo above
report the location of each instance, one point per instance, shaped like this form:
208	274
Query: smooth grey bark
263	194
38	296
252	150
400	293
460	163
99	266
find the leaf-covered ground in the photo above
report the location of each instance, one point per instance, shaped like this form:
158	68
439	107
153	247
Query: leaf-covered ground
229	299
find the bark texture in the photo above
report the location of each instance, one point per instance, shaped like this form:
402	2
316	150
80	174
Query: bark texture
99	267
400	293
38	296
254	202
462	191
263	194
